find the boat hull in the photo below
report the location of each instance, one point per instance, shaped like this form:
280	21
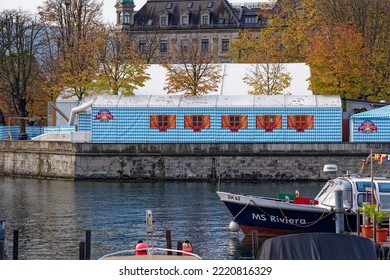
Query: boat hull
274	217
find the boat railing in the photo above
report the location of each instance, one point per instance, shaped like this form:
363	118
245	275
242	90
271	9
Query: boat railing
150	251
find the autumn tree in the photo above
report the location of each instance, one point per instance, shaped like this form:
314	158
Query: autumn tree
195	74
339	62
267	79
147	44
371	17
74	25
20	47
285	37
121	69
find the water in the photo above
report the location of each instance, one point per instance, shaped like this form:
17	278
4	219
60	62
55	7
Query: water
52	216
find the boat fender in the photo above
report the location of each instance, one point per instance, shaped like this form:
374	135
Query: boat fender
233	226
141	248
187	247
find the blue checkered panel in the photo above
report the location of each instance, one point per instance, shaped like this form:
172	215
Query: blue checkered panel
371	130
132	125
85	122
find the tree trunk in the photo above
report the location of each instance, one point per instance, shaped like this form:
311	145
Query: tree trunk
2	119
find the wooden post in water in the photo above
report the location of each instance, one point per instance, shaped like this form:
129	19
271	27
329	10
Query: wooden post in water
169	241
179	247
2	239
88	244
255	244
15	247
82	250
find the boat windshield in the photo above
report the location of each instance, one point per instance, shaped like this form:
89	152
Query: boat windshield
384	195
363	186
327	194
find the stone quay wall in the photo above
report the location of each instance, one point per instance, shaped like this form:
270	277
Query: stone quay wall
178	161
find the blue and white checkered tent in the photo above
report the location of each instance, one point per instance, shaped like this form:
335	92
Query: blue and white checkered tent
370	126
214	118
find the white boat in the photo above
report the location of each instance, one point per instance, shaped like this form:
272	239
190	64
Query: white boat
273	216
145	251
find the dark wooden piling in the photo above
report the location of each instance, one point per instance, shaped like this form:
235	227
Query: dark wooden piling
169	241
15	245
255	244
179	247
81	250
88	245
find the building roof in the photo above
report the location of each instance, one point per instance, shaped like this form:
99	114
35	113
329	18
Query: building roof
224	14
380	113
232	82
216	101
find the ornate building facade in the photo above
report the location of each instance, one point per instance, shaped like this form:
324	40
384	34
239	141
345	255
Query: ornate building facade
160	27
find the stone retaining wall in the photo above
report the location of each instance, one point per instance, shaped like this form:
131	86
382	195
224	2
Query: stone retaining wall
73	161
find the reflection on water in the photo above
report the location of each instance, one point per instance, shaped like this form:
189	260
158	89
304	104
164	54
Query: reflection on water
52	216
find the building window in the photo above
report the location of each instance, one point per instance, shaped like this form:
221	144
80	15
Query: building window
251	19
234	122
168	6
300	122
269	122
164	20
126	18
225	45
162	122
163	46
197	122
205	45
184	20
209	4
184	45
142	46
205	20
189	5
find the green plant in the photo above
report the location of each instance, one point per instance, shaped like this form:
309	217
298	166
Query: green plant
379	216
368	212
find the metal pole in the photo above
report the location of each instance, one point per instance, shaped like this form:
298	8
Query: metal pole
339	211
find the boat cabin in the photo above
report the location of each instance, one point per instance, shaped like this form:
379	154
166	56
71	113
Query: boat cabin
356	191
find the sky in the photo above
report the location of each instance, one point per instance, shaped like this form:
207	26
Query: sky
109	15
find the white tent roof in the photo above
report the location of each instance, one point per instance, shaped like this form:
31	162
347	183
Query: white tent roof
220	101
232	81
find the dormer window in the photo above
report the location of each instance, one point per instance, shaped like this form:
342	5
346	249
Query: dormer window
205	17
164	19
126	18
184	18
251	19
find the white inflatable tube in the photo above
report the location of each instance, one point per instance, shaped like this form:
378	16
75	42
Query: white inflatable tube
78	109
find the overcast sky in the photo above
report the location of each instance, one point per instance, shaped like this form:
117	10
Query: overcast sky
108	6
31	5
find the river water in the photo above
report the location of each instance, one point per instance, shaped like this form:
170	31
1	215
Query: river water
52	216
